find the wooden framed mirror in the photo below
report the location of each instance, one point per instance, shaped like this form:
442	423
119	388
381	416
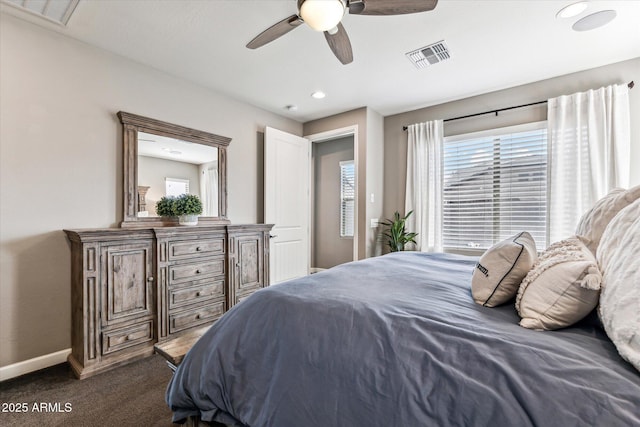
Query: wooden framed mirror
161	159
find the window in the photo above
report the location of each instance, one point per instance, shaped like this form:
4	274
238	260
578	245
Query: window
347	198
495	185
176	186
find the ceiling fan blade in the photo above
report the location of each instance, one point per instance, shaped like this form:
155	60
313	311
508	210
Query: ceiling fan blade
340	44
390	7
275	31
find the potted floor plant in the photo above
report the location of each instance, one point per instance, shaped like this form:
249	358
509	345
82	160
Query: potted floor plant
396	233
186	207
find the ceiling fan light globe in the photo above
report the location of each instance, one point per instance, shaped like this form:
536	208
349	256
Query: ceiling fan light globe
322	15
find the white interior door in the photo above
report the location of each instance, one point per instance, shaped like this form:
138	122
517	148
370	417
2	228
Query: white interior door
287	164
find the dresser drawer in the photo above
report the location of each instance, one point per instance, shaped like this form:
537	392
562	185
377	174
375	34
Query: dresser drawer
196	316
185	272
122	338
213	288
190	248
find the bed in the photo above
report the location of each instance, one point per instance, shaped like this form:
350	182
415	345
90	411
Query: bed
398	340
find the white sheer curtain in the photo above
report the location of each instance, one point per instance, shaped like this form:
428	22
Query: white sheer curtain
424	184
209	188
589	151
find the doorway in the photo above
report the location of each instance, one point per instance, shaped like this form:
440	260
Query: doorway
333	201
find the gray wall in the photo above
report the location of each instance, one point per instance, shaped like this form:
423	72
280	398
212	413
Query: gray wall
61	165
329	249
395	149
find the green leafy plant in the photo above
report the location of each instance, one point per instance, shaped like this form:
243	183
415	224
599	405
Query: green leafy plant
396	233
184	204
165	206
188	204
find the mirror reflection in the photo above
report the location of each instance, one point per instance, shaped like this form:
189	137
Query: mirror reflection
170	167
162	158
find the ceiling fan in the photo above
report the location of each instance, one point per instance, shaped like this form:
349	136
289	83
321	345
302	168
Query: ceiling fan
325	16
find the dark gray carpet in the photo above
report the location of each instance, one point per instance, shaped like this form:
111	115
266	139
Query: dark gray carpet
126	396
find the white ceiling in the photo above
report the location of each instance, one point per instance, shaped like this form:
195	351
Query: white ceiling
493	44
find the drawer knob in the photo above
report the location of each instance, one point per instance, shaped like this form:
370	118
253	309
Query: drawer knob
197	316
126	338
197	271
198	294
198	249
150	279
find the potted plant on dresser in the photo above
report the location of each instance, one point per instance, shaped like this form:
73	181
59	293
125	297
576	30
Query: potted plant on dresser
186	207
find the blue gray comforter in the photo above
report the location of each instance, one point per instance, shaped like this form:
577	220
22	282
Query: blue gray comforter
397	341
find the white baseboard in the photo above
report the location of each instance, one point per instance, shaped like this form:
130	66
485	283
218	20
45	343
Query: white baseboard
35	364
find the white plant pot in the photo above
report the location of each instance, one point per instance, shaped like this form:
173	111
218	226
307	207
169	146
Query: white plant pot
188	220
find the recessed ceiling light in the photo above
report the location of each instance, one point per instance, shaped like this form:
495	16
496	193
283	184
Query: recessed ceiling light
572	10
318	94
595	20
171	151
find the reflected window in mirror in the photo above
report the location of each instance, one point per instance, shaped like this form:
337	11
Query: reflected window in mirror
175	187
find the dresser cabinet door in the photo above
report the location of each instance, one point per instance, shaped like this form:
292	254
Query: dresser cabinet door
249	264
127	281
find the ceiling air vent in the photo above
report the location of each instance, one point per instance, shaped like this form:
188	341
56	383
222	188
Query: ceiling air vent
429	55
58	11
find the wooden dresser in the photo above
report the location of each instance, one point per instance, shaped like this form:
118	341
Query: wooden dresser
132	288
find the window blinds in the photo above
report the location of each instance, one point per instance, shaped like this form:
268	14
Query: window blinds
494	186
347	198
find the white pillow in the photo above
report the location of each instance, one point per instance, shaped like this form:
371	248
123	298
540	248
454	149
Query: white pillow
619	258
501	268
595	220
562	287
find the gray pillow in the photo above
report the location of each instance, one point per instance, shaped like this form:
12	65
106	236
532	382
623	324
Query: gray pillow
501	268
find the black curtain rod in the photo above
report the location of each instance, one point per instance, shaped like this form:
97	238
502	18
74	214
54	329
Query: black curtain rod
630	86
